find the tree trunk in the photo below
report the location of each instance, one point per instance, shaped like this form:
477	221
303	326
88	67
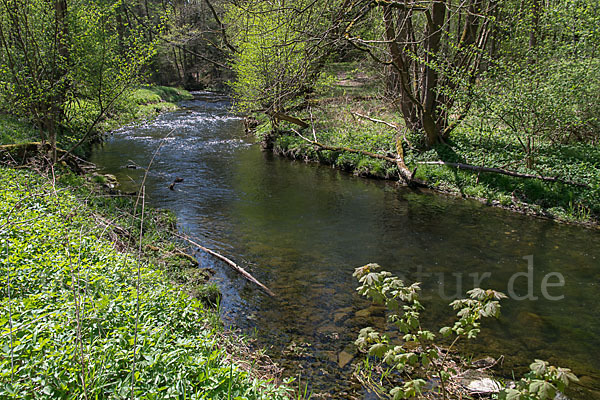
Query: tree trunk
60	71
431	124
536	9
400	69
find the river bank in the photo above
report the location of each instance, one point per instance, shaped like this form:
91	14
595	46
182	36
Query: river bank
102	294
557	201
142	104
348	111
99	310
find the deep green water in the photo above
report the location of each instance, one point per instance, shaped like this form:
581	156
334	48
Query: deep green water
302	229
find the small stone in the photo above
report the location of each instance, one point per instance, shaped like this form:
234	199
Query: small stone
331	356
484	362
344	358
327	329
337	317
363	313
484	385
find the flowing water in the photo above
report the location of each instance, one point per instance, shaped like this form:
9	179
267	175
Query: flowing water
302	229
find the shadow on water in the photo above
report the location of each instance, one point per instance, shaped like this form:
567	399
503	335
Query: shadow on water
302	229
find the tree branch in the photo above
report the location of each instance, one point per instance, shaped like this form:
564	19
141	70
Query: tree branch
503	172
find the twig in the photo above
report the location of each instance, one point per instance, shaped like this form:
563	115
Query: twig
312	124
18	328
76	299
142	194
12	365
379	121
78	343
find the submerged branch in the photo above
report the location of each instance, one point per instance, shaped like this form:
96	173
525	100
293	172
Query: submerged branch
233	265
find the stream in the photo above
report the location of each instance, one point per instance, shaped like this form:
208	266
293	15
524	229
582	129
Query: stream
302	229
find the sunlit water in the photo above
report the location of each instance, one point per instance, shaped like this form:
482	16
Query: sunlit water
302	229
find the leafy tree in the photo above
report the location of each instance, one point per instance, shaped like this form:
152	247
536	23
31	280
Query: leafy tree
64	65
544	86
433	51
280	50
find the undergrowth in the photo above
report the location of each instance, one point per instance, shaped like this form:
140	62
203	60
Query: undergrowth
83	320
141	104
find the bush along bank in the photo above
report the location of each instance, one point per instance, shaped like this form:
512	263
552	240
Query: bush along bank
574	197
88	313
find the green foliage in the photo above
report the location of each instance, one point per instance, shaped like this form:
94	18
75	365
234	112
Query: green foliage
66	70
270	60
404	307
70	306
418	357
542	383
156	94
554	100
275	62
15	131
140	104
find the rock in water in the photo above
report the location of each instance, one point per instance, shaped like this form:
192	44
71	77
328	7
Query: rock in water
477	382
344	358
484	386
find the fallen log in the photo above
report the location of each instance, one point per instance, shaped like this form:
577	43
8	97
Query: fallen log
404	172
233	265
21	153
503	172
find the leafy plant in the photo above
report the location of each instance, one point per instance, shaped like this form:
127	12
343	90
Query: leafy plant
72	309
543	382
418	356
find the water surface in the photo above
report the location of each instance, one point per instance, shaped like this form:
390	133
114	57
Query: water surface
302	229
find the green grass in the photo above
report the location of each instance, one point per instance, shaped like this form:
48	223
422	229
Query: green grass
12	130
154	94
142	104
69	312
577	163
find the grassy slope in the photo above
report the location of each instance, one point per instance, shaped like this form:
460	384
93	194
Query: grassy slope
351	91
143	103
12	130
72	306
